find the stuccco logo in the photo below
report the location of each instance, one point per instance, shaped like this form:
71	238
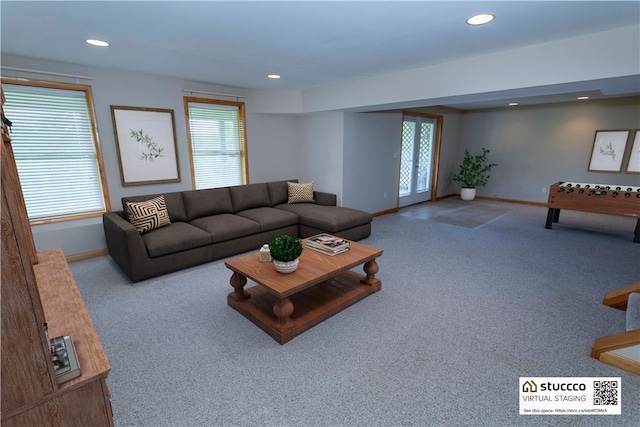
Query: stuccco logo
562	386
530	386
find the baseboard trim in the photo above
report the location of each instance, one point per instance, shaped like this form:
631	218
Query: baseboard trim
385	212
87	255
499	199
522	202
496	199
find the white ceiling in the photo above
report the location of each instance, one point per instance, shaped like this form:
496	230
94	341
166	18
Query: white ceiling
311	44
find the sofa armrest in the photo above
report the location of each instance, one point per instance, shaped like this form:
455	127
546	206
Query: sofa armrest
325	199
124	243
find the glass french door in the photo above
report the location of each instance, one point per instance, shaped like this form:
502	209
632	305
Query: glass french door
416	160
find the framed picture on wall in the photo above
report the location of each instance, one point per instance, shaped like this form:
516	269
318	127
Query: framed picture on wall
608	150
146	144
634	157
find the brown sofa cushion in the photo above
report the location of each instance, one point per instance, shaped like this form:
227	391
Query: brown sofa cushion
270	218
212	201
177	237
175	205
249	196
279	191
225	227
328	218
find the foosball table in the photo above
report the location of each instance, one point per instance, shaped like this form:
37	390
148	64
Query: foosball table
622	200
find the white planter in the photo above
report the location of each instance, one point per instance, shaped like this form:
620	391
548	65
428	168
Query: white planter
467	193
286	267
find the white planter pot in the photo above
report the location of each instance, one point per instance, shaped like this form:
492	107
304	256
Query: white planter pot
286	267
467	193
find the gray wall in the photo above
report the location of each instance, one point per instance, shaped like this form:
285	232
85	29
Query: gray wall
540	145
273	146
320	156
371	160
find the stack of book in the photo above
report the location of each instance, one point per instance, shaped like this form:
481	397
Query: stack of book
65	359
327	244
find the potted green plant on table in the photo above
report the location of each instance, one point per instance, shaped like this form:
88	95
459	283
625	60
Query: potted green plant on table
474	172
285	251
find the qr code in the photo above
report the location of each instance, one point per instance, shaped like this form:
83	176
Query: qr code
605	392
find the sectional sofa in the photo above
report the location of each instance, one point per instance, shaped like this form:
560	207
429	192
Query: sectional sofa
199	226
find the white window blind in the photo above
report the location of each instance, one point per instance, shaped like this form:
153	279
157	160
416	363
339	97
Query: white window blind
55	151
216	138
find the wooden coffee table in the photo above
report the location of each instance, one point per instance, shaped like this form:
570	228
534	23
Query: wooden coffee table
285	305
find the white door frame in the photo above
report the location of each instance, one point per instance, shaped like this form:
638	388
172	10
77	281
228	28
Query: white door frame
435	159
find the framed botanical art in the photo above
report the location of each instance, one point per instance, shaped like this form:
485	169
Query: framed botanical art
608	150
146	144
634	157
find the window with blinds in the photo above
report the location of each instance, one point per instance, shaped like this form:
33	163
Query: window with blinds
55	149
216	135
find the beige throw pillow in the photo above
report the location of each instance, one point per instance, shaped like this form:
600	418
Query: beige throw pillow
300	192
148	215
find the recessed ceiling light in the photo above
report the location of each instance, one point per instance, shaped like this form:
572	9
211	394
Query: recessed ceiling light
513	104
480	19
273	76
583	97
97	42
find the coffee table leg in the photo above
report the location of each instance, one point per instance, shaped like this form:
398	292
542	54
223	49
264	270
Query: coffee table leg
238	281
283	309
371	268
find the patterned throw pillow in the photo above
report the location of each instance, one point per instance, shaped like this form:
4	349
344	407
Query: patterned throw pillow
148	215
300	192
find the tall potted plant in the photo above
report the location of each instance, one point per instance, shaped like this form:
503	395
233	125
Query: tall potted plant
474	172
285	251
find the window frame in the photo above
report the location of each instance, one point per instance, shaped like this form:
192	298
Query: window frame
242	134
88	94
